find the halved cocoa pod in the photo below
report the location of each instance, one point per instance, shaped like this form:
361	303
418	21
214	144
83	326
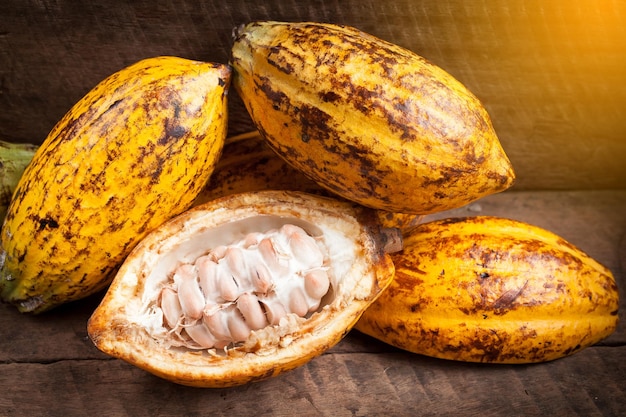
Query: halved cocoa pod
245	287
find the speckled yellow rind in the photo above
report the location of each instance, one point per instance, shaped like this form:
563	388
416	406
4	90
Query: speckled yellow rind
489	289
249	164
132	153
366	119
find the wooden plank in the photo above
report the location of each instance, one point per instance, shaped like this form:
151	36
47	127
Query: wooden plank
590	383
550	74
54	336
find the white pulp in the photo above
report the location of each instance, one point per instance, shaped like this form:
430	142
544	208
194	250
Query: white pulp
218	298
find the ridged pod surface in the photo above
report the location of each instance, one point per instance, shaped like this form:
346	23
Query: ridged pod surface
489	289
366	119
132	153
131	323
249	164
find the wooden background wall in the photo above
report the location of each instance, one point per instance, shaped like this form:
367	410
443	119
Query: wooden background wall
552	73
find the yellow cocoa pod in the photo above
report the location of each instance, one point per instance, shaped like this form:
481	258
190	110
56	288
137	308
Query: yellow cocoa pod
244	288
132	153
366	119
249	164
489	289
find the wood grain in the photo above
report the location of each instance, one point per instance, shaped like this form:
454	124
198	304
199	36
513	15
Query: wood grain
48	366
549	72
335	384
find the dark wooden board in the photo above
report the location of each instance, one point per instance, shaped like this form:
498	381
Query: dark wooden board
551	73
551	76
590	383
48	366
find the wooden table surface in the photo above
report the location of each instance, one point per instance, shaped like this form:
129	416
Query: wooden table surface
550	74
49	367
